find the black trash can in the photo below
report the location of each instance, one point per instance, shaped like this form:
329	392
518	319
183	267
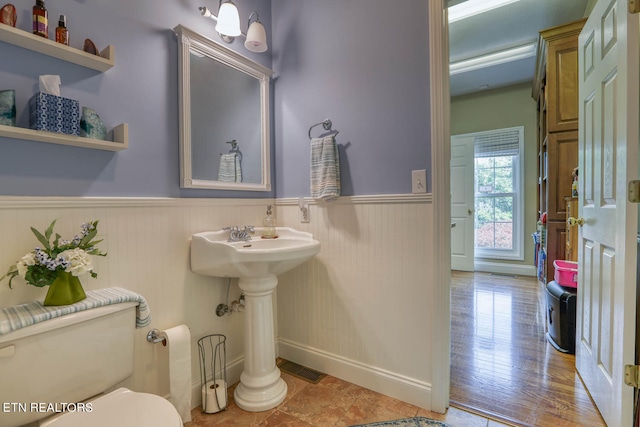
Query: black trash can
561	317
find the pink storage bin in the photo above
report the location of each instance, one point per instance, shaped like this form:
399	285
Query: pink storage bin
566	273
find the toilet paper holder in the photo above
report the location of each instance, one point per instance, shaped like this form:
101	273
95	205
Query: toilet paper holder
213	373
154	337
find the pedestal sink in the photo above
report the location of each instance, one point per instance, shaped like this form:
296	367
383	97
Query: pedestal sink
256	263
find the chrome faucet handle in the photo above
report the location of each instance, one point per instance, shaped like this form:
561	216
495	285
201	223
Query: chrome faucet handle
249	228
234	232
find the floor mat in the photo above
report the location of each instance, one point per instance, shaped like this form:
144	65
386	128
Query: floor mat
408	422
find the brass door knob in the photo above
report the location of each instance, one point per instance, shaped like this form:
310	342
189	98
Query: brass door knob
580	221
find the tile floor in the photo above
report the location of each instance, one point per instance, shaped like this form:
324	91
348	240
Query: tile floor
331	402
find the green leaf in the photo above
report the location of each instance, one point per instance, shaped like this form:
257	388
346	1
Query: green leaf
94	243
88	237
40	276
49	231
10	280
41	238
11	273
55	242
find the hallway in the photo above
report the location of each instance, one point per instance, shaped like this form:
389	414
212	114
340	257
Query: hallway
501	363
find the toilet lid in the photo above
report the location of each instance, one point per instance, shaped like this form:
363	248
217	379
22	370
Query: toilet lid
122	408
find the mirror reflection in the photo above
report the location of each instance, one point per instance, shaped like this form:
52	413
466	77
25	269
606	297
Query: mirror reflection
224	117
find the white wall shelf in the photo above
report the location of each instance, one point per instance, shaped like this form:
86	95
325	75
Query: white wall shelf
120	138
24	39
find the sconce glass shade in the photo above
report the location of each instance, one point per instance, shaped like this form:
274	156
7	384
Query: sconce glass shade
256	38
228	20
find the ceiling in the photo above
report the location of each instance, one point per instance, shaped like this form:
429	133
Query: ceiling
514	25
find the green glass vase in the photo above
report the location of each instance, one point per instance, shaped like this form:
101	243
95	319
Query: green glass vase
65	290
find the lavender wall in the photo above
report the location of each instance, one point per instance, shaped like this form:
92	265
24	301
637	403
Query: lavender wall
337	59
141	89
364	65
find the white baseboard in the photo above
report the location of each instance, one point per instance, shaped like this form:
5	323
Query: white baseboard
504	268
379	380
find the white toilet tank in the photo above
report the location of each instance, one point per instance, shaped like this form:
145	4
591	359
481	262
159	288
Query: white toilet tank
64	360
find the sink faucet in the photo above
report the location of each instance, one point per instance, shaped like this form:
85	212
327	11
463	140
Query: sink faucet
238	235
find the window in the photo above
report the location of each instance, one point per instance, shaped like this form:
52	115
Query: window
499	194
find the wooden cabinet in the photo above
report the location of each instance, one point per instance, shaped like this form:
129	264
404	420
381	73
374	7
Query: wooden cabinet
562	83
571	240
562	158
555	89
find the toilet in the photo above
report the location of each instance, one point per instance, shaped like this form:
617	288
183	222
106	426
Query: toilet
121	407
74	363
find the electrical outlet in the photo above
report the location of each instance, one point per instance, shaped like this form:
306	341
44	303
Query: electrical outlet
304	210
419	181
304	214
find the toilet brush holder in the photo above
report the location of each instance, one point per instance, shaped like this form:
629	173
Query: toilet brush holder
213	373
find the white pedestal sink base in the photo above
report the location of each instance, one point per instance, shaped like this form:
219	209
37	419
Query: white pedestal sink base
261	388
257	400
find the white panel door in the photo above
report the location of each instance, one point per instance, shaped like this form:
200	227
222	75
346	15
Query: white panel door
608	159
462	203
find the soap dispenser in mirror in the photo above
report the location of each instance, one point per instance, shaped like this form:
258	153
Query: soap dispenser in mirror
269	224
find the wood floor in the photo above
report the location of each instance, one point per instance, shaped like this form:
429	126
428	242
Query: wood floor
501	363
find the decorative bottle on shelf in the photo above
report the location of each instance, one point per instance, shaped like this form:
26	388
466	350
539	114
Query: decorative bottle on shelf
269	224
62	34
40	19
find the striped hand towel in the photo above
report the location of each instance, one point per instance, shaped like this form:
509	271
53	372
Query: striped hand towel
230	168
325	168
21	316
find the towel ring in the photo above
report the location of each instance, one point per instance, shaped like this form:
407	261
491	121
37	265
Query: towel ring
234	148
326	124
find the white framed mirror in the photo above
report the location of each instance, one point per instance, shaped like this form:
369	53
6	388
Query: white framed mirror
224	116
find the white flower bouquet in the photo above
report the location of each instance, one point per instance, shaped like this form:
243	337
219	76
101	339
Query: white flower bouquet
40	267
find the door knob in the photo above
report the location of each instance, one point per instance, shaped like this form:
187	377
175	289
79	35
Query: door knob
576	221
470	211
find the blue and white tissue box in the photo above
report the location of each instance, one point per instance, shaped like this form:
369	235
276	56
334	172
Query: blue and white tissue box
53	113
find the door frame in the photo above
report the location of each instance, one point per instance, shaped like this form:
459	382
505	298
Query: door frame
441	224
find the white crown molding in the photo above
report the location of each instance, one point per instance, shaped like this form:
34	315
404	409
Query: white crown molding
493	58
464	10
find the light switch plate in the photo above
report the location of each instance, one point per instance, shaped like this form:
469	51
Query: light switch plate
419	181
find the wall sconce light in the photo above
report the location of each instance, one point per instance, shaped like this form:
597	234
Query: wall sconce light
256	35
228	20
228	26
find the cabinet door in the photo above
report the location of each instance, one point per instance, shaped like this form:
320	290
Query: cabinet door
571	250
562	84
562	158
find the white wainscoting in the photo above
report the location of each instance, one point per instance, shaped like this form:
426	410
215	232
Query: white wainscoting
362	309
147	241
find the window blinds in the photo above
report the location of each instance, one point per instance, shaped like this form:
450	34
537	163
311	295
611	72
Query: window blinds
496	143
